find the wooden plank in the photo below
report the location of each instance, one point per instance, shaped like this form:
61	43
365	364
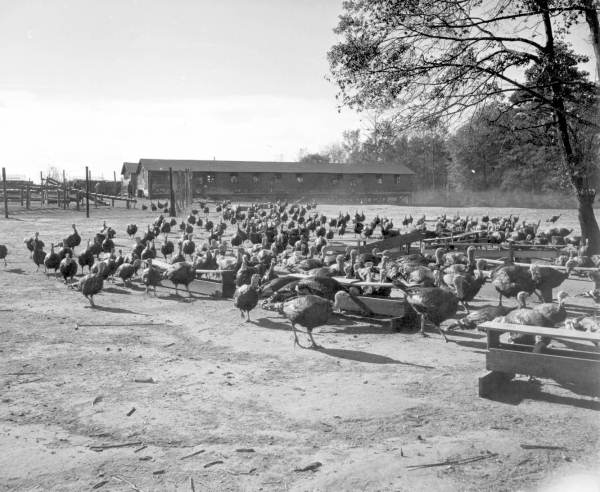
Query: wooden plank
379	306
562	369
556	267
539	330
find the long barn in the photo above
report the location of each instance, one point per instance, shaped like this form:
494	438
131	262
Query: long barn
255	180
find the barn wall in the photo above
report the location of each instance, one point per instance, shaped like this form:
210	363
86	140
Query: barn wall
282	184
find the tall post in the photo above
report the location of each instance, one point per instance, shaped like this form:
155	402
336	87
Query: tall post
5	195
87	192
172	204
115	190
65	192
28	197
41	189
22	196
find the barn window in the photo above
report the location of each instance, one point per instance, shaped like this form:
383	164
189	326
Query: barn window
255	178
379	178
233	177
397	179
210	178
299	178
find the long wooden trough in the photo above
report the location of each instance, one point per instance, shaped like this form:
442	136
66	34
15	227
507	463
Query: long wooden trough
574	368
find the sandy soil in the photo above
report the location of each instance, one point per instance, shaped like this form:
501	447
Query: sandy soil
254	408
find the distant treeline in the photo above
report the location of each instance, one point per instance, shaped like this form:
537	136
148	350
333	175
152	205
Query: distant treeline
486	155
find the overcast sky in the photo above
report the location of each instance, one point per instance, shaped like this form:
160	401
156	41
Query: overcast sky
99	82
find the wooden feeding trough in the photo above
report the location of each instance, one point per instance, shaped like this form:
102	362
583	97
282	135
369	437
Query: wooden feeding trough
579	367
211	283
395	310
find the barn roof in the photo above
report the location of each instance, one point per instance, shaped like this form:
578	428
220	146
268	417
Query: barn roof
130	168
271	167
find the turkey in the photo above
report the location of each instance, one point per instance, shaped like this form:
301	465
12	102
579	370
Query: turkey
37	253
86	258
524	316
245	297
34	243
52	260
131	230
151	276
309	311
548	278
509	280
68	267
3	253
465	285
433	304
182	273
149	252
126	271
245	273
92	284
167	248
73	240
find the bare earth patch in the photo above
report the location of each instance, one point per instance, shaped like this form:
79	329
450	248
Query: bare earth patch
367	407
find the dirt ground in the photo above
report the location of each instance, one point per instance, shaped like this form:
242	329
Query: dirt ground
234	406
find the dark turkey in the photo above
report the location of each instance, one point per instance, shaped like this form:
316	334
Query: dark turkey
309	311
509	280
51	261
182	273
131	230
68	267
3	253
245	297
92	284
433	304
151	276
126	271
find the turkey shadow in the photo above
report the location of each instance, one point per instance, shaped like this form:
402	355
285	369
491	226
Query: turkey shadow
115	290
18	271
180	298
514	392
359	356
110	309
481	346
272	325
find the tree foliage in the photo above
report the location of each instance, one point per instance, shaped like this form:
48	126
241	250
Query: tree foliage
428	62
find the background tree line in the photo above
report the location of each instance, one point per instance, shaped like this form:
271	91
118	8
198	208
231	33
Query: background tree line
506	144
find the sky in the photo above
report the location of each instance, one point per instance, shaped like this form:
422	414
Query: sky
100	82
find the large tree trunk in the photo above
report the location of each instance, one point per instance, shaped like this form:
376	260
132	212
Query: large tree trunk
591	17
587	220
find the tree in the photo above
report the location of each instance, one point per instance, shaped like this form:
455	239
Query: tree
315	159
428	61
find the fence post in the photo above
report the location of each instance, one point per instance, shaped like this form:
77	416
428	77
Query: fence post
22	196
87	193
41	189
4	190
65	192
172	204
28	197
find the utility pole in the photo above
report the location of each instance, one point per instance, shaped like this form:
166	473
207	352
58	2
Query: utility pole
172	204
4	190
87	193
